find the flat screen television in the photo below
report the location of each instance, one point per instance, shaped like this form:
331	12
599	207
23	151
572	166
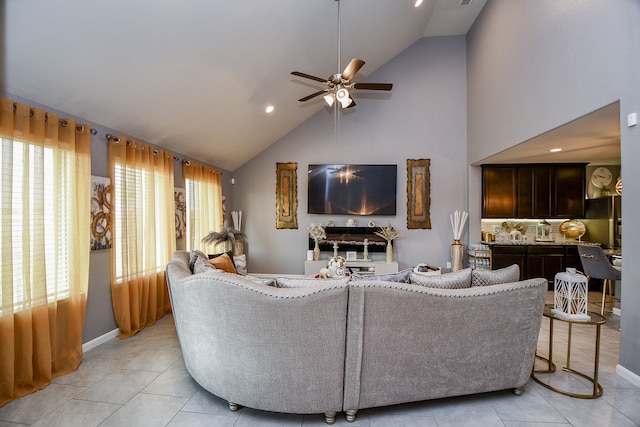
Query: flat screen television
352	189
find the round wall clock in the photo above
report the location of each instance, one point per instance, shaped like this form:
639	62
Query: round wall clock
601	177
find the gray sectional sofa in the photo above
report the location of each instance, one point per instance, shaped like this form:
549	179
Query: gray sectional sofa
324	346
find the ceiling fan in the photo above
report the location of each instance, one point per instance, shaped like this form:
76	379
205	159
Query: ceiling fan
338	85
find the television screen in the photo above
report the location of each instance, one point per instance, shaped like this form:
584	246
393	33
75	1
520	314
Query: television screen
352	189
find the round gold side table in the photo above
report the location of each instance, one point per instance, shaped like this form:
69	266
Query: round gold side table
596	320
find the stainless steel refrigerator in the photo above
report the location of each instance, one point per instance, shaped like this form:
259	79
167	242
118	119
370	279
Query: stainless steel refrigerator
604	221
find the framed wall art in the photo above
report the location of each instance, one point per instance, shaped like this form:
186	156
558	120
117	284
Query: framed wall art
286	195
418	193
181	211
100	213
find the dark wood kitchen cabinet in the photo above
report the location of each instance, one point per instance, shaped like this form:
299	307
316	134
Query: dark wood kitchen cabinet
506	255
570	191
545	261
536	260
499	192
533	191
535	184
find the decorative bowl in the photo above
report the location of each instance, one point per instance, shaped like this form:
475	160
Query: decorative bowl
572	229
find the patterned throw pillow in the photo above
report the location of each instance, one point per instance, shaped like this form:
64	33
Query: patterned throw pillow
400	277
494	277
285	282
455	280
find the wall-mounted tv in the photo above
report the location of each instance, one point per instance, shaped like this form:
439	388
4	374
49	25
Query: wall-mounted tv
352	189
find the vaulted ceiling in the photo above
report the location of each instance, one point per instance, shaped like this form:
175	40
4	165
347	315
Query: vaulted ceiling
195	76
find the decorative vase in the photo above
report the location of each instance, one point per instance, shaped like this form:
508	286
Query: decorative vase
238	248
457	255
316	252
389	251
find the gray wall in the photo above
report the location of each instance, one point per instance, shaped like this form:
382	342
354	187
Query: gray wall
423	117
536	64
99	318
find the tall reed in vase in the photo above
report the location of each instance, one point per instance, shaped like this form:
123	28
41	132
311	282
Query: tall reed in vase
458	221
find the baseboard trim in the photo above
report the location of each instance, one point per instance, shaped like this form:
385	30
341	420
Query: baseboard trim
100	340
628	375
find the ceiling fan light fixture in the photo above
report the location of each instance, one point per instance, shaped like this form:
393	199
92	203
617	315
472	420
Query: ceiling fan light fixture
343	96
330	98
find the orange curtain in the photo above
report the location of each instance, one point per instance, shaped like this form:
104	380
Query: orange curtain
143	232
45	168
204	202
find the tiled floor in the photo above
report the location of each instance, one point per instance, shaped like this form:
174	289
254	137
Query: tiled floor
142	381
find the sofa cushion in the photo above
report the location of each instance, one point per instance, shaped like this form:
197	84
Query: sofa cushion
223	262
203	265
260	280
240	261
230	253
454	280
194	255
286	282
399	277
494	277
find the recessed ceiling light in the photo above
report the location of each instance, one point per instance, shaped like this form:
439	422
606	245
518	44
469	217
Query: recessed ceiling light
555	150
269	108
417	3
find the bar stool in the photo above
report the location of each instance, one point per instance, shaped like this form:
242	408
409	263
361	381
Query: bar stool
596	265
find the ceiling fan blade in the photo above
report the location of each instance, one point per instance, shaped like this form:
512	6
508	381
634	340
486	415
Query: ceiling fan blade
308	76
373	86
352	68
313	95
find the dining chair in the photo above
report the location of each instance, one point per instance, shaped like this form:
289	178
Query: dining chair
596	265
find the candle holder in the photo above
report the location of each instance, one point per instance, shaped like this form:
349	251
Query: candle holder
570	292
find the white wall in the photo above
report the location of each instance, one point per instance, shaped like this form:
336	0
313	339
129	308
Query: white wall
534	65
423	117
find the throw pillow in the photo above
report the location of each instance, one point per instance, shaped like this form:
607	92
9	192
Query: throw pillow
266	282
494	277
455	280
400	277
230	253
202	265
194	256
223	262
240	261
285	282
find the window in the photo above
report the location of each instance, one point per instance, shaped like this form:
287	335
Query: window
134	193
36	229
203	202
